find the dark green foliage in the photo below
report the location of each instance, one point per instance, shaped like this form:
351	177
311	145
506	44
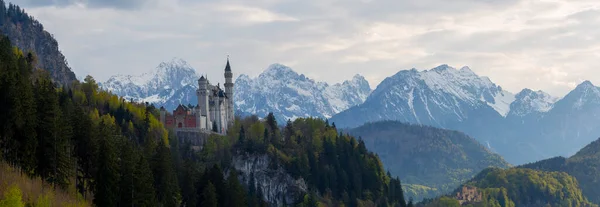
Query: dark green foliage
107	178
114	150
523	187
333	164
143	190
584	165
209	195
17	109
235	190
53	135
430	160
165	179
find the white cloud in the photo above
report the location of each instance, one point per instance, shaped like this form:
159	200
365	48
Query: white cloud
540	44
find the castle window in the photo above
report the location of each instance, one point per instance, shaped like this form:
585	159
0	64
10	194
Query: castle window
179	125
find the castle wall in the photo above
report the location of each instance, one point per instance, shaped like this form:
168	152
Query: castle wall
190	121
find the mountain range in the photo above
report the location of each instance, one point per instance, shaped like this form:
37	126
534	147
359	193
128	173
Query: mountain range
522	127
278	89
525	127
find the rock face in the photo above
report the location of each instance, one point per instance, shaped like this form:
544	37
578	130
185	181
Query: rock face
29	35
277	186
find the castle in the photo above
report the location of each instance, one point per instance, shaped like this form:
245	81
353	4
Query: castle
468	194
214	111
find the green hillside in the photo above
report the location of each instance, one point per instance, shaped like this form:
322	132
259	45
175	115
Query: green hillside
521	187
584	165
430	161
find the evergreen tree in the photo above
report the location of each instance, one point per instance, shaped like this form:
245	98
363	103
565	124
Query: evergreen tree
107	188
53	138
143	189
128	162
235	191
165	179
410	203
209	196
215	176
242	136
86	149
188	189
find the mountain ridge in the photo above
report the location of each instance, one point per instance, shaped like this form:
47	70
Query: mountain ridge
427	156
28	34
174	82
514	125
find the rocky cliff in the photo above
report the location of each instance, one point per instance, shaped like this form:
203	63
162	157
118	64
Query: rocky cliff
276	185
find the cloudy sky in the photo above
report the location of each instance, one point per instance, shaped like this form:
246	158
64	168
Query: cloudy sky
551	45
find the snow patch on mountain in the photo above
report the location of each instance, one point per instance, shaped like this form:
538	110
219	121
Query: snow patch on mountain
290	95
157	87
529	101
467	86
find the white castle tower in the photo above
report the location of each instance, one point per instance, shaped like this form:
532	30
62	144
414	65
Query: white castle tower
229	92
214	111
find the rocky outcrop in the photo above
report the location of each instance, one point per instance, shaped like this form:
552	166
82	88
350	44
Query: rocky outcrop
277	186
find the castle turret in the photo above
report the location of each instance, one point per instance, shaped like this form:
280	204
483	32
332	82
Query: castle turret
163	113
229	92
203	99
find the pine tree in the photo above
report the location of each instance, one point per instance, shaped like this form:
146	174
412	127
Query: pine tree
209	196
242	137
188	188
143	189
107	188
128	162
165	179
215	176
235	191
85	140
53	136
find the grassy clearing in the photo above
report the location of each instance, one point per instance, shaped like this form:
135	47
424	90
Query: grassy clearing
17	188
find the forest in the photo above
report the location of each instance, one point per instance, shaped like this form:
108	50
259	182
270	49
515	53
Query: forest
584	165
106	151
430	160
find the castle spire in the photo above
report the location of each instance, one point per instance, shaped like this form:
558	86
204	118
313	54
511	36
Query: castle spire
227	67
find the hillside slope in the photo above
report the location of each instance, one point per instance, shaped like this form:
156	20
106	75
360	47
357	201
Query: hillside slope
585	166
29	35
523	188
427	156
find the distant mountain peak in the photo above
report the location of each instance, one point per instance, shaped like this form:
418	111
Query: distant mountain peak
290	95
528	101
157	86
442	68
585	85
279	68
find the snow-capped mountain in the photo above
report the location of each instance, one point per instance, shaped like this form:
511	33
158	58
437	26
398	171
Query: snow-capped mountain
291	95
531	102
278	89
169	84
438	97
525	127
